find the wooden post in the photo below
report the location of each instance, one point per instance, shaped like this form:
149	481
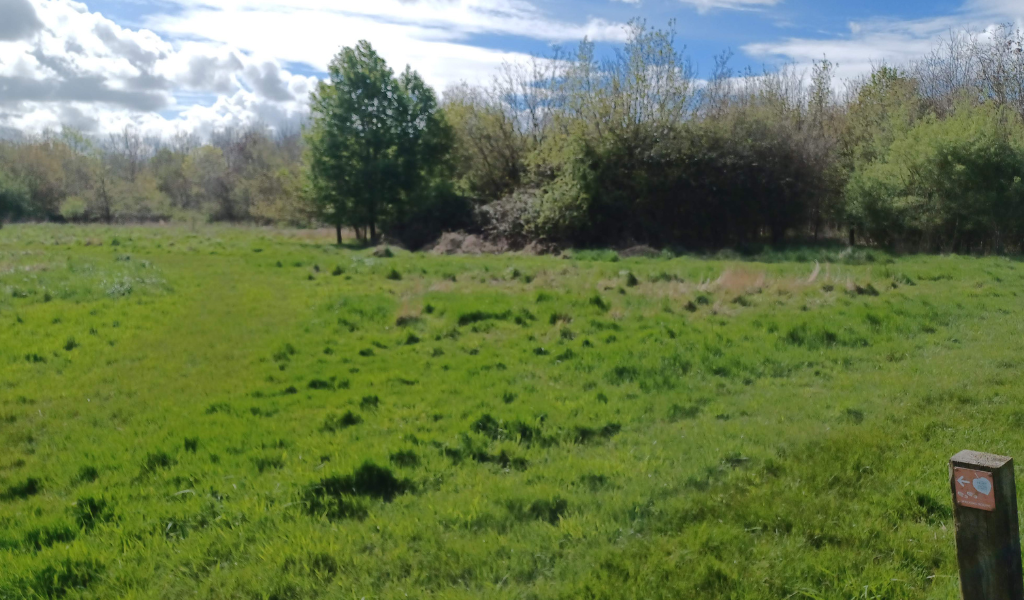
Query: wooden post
987	533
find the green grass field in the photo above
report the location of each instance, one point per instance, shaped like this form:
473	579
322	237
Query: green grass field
244	413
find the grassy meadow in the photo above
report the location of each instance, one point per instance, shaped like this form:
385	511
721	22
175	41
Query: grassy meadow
246	413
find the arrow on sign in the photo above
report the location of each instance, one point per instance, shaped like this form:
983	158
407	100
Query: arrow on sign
961	480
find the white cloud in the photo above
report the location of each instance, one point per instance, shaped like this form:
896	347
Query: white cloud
877	41
313	38
20	20
426	19
704	6
431	35
1012	9
202	67
82	69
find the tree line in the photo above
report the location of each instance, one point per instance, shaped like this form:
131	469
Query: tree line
582	150
239	174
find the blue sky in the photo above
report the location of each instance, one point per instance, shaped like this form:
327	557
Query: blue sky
703	28
169	65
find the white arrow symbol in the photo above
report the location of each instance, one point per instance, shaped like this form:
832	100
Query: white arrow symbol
961	480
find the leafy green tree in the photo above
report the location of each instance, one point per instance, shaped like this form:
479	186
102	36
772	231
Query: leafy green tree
275	195
38	166
14	197
376	142
168	166
489	151
953	183
74	209
139	200
887	106
206	173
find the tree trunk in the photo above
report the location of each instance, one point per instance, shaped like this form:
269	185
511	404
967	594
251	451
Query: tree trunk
107	213
373	233
852	235
337	228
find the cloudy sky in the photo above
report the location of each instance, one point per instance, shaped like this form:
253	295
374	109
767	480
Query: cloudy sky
169	65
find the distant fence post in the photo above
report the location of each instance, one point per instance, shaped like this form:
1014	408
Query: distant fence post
987	532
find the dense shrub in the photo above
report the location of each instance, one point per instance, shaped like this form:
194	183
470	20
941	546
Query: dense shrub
14	198
430	213
947	184
631	150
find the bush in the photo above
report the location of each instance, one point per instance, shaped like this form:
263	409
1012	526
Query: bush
708	184
430	213
513	218
947	184
73	209
14	198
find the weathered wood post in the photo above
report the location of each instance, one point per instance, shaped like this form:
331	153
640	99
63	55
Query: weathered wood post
987	533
